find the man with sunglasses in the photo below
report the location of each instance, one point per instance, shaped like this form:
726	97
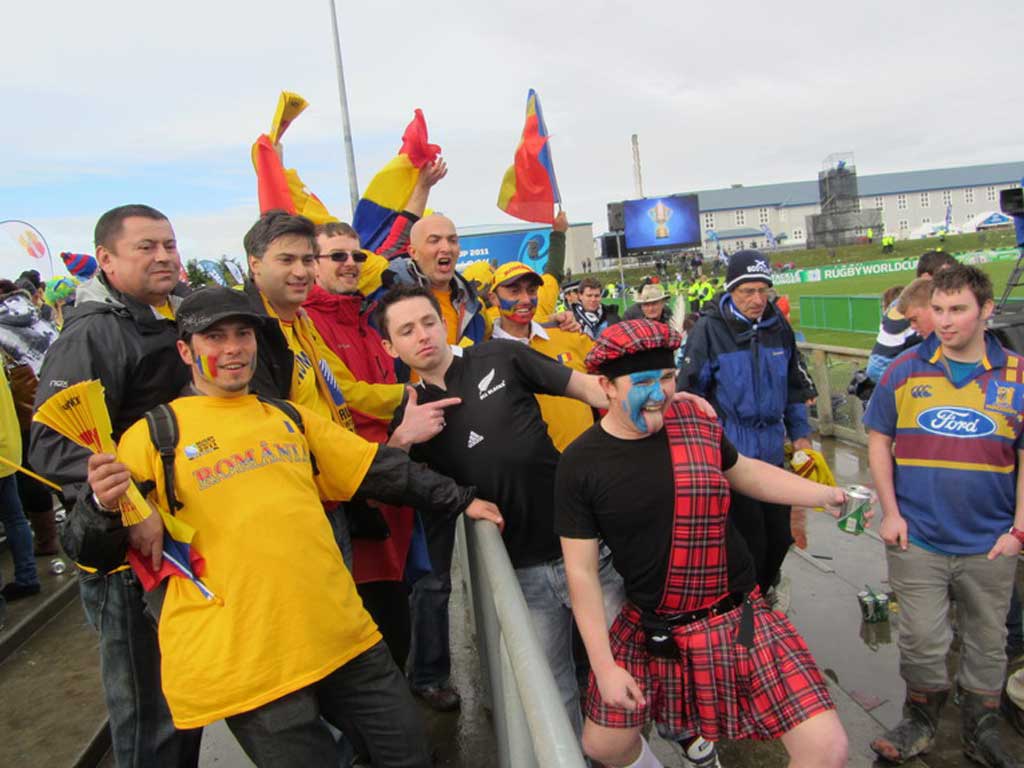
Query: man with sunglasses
381	534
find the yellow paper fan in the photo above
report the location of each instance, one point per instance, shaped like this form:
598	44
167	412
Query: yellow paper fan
80	414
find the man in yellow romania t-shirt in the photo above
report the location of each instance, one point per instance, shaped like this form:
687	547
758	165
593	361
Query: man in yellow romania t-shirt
287	639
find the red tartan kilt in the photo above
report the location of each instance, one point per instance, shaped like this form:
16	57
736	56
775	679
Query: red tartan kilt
720	689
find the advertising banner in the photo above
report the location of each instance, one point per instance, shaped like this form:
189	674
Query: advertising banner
528	246
891	266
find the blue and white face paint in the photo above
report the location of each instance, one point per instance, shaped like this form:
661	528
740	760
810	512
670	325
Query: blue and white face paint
646	392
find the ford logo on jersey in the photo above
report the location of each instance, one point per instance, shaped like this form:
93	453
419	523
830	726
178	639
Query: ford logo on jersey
955	422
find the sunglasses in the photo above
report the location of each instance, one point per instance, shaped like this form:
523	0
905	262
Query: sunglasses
340	257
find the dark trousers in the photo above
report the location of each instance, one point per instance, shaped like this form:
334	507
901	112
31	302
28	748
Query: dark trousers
368	699
388	603
765	528
140	723
430	658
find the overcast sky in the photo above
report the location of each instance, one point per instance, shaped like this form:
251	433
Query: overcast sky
111	102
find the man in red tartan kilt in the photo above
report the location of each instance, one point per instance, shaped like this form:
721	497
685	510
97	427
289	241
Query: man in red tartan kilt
696	647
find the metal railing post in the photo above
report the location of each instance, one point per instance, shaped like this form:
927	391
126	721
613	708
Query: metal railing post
524	690
824	402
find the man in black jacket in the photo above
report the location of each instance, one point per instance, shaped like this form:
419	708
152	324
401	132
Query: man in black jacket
121	332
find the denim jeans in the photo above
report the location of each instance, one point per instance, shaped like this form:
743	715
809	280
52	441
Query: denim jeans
140	722
922	581
430	660
547	598
19	535
367	698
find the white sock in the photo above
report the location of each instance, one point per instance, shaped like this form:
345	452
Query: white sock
646	759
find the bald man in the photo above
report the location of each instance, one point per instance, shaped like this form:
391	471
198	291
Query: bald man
433	253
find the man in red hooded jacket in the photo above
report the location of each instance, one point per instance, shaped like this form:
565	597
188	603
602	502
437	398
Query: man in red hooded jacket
381	534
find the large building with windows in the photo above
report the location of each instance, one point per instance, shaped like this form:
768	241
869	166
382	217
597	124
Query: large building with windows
908	201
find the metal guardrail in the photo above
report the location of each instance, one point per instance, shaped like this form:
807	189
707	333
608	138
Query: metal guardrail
823	359
531	727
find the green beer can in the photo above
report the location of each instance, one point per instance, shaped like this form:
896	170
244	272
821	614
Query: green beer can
858	503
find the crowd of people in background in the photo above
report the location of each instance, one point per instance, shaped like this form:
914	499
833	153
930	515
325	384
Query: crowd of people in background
333	420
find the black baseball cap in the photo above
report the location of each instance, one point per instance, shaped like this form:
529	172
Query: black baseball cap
208	306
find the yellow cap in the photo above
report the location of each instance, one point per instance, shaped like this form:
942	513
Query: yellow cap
513	270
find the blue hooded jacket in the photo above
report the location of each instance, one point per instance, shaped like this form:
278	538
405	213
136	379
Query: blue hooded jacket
753	374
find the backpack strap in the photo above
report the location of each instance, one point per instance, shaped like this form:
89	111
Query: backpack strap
292	413
163	431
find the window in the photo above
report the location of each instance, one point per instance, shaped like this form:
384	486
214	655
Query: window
741	218
762	216
947	197
798	234
926	200
969	196
709	221
880	203
739	245
904	225
901	202
926	220
990	194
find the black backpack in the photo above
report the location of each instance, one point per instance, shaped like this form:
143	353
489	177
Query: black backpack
163	431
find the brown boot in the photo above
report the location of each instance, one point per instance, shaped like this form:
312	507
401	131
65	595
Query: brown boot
915	733
44	525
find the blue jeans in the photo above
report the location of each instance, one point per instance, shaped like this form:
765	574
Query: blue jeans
547	598
19	535
430	660
140	722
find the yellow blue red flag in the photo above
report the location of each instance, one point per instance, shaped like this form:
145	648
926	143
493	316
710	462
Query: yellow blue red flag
389	191
280	187
529	190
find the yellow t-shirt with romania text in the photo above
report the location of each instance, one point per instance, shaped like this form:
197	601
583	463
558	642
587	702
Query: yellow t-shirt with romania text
290	613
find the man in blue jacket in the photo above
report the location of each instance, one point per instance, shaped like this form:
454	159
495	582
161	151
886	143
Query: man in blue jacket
742	356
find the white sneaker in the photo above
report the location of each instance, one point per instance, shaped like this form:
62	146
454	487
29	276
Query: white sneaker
700	753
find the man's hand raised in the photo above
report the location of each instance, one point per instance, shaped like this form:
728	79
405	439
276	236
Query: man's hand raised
432	173
420	422
479	509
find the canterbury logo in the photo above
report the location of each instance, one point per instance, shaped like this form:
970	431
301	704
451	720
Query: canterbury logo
474	439
921	390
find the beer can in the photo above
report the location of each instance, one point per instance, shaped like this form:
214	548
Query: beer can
858	503
867	606
57	566
881	606
60	516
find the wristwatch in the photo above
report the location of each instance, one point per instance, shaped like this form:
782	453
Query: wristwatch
1017	533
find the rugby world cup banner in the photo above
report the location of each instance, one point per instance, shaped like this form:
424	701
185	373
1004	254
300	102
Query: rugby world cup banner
528	246
891	266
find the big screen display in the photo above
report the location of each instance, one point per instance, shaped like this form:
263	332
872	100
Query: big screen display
659	223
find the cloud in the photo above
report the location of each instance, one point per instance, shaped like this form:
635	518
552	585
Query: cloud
123	100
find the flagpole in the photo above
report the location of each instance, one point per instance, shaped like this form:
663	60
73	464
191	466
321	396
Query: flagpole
346	127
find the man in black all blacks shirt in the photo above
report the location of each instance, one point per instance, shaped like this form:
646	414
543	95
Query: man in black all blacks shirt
696	647
474	413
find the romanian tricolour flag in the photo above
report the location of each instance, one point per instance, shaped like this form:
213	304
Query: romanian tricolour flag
281	188
180	559
389	191
529	190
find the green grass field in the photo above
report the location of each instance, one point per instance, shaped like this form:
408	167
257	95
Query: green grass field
874	285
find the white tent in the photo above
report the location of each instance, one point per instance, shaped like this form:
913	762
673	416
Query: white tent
988	220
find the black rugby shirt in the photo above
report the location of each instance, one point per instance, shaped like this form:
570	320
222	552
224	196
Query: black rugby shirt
497	441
